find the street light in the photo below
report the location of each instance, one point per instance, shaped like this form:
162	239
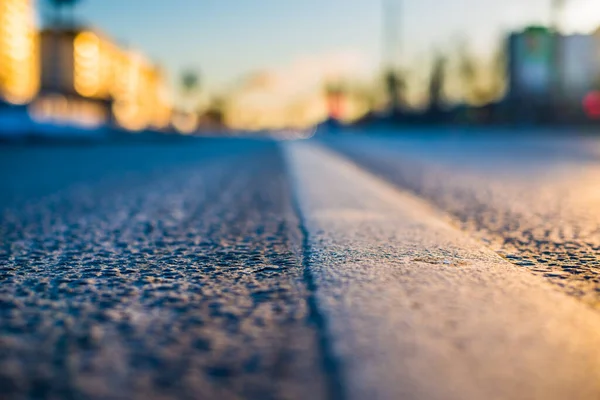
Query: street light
557	8
391	31
391	49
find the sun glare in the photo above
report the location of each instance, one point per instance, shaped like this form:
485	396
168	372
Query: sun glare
582	16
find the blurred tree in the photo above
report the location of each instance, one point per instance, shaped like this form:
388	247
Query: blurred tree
498	78
436	83
395	90
215	114
190	86
190	81
367	95
482	81
467	66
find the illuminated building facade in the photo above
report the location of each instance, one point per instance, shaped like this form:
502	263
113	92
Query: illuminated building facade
140	95
19	51
97	78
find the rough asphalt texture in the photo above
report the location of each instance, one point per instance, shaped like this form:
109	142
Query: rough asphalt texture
416	310
191	270
183	278
535	201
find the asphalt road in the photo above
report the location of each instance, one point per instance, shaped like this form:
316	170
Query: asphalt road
154	271
414	267
534	201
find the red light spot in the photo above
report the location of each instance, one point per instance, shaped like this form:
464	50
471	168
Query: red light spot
591	104
335	104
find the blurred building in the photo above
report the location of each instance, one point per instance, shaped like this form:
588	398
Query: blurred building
139	93
19	65
88	80
578	66
550	75
531	68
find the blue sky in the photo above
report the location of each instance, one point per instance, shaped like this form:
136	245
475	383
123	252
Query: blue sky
226	39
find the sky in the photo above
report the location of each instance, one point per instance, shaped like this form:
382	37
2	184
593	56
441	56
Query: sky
227	40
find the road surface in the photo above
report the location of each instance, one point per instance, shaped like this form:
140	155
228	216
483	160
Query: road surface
363	266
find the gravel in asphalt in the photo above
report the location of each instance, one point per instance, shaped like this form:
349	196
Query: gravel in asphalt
417	310
154	273
533	200
233	269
